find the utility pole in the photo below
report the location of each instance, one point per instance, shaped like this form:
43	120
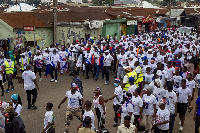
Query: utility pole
54	21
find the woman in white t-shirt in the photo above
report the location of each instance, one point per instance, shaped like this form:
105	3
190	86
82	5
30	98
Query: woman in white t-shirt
17	105
127	108
149	109
99	106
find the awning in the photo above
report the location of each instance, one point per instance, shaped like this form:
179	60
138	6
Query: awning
30	37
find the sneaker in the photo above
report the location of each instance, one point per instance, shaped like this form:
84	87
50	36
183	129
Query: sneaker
45	76
181	128
29	107
7	91
2	94
56	81
12	89
34	107
40	79
115	125
52	80
179	123
106	82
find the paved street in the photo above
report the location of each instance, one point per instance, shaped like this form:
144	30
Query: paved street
55	92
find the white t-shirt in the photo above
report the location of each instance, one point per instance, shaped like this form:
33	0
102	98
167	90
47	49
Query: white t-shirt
107	60
54	59
191	85
48	118
183	94
38	61
63	56
163	76
122	59
148	78
25	62
163	115
197	79
177	82
171	99
73	100
91	115
126	109
46	58
0	73
149	102
170	72
119	97
18	109
28	77
138	103
159	93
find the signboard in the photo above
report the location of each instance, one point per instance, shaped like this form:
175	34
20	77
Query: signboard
147	20
95	24
29	28
132	22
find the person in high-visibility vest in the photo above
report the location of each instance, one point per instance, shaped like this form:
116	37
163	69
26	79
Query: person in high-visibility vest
139	75
9	69
23	61
126	83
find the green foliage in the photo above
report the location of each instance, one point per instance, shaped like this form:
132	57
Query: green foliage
85	1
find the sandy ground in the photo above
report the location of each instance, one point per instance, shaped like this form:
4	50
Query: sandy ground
55	92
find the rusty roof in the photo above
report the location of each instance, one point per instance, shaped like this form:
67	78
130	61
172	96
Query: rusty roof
20	19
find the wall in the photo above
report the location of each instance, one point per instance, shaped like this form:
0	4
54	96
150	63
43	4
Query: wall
131	29
43	36
69	33
111	29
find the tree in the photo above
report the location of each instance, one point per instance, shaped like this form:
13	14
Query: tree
85	1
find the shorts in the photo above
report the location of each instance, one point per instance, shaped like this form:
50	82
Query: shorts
182	108
74	112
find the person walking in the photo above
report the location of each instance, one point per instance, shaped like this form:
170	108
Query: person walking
38	61
73	108
107	64
184	97
54	65
47	62
127	127
9	68
17	105
49	120
118	98
30	85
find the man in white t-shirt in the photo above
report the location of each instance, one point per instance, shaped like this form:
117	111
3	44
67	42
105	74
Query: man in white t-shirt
49	120
118	98
162	118
47	62
73	108
107	64
29	83
54	65
184	97
170	71
121	62
171	104
191	84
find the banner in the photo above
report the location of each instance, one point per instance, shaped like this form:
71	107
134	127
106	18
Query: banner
132	22
147	20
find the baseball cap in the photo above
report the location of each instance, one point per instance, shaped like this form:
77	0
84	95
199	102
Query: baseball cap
127	68
14	97
162	101
117	79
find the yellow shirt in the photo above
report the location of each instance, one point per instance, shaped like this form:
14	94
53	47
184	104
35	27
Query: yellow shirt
85	130
123	129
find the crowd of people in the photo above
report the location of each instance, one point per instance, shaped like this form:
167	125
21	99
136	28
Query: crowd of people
156	75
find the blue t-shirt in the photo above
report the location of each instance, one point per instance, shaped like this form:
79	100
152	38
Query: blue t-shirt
198	103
